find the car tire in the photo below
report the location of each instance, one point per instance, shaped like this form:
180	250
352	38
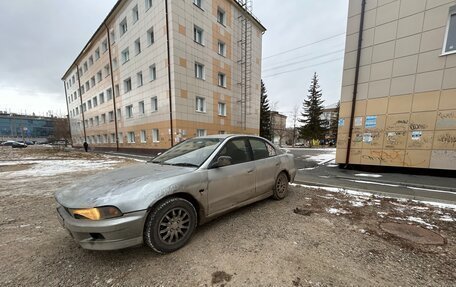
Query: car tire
280	190
170	225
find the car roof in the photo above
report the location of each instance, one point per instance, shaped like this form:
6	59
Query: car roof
225	136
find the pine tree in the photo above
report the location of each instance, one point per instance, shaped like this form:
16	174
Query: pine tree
313	126
265	114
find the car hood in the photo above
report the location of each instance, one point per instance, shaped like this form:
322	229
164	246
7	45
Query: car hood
126	188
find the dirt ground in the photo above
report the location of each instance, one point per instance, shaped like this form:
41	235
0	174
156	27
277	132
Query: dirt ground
311	238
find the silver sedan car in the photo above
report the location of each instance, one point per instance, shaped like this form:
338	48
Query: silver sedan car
162	201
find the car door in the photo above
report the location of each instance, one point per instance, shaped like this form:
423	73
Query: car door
266	164
230	185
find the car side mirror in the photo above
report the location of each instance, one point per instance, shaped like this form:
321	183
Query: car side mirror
222	161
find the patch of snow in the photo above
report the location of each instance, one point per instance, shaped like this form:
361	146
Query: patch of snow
356	203
308	168
437	204
428	189
323	158
56	167
332	165
447	218
420	221
374	182
336	211
368	175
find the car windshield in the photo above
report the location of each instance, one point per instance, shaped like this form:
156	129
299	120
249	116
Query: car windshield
192	152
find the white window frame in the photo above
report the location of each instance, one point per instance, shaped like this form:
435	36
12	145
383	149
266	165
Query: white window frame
109	94
198	3
155	135
198	35
135	14
125	55
127	85
222	109
150	36
221	79
141	107
154	104
201	132
152	72
143	136
139	78
138	46
452	14
101	98
131	137
113	138
123	26
129	111
111	116
221	48
199	71
148	4
97	54
221	20
200	104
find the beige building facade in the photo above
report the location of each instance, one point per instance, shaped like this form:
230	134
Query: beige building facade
158	72
404	114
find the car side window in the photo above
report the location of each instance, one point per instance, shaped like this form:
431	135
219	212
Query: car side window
261	149
238	150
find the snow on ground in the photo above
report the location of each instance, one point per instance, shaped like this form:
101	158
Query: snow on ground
368	175
40	168
323	158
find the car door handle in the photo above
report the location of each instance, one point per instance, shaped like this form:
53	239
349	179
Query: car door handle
277	164
250	170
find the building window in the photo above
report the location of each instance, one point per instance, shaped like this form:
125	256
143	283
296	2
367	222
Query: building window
123	27
99	76
91	122
201	132
113	138
199	71
114	63
97	120
82	90
120	137
80	72
85	67
107	70
155	136
198	3
222	109
139	79
109	94
104	46
135	13
87	85
101	97
222	132
198	35
222	80
221	16
119	114
131	137
148	4
138	46
129	111
154	104
450	39
152	73
127	85
143	136
97	54
111	116
77	111
141	107
221	48
95	101
112	37
90	61
117	90
200	104
103	118
150	36
125	55
89	104
84	107
92	82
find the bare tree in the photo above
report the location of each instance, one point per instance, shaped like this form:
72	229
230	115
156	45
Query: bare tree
61	131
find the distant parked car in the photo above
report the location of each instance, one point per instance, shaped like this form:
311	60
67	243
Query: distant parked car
8	143
19	145
161	202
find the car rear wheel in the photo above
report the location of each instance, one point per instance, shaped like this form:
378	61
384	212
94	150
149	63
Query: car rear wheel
280	190
170	225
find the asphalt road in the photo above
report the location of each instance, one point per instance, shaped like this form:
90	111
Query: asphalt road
316	167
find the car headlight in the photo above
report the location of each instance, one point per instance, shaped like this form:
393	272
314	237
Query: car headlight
97	213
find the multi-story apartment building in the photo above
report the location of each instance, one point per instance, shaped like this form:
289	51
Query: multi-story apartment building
398	102
158	72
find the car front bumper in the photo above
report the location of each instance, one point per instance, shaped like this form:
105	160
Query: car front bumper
107	234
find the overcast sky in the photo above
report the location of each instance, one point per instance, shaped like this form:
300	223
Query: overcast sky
40	39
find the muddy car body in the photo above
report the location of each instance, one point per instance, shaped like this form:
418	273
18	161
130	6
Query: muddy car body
161	202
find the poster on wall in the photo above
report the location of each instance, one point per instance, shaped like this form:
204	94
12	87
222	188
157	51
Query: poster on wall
358	121
371	121
416	135
341	122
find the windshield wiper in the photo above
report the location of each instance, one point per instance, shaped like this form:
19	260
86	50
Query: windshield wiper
185	164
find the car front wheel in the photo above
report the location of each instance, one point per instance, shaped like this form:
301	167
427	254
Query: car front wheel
281	186
170	225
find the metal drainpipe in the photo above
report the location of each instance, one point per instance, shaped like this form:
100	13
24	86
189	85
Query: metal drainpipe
80	97
68	111
112	88
169	74
355	88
